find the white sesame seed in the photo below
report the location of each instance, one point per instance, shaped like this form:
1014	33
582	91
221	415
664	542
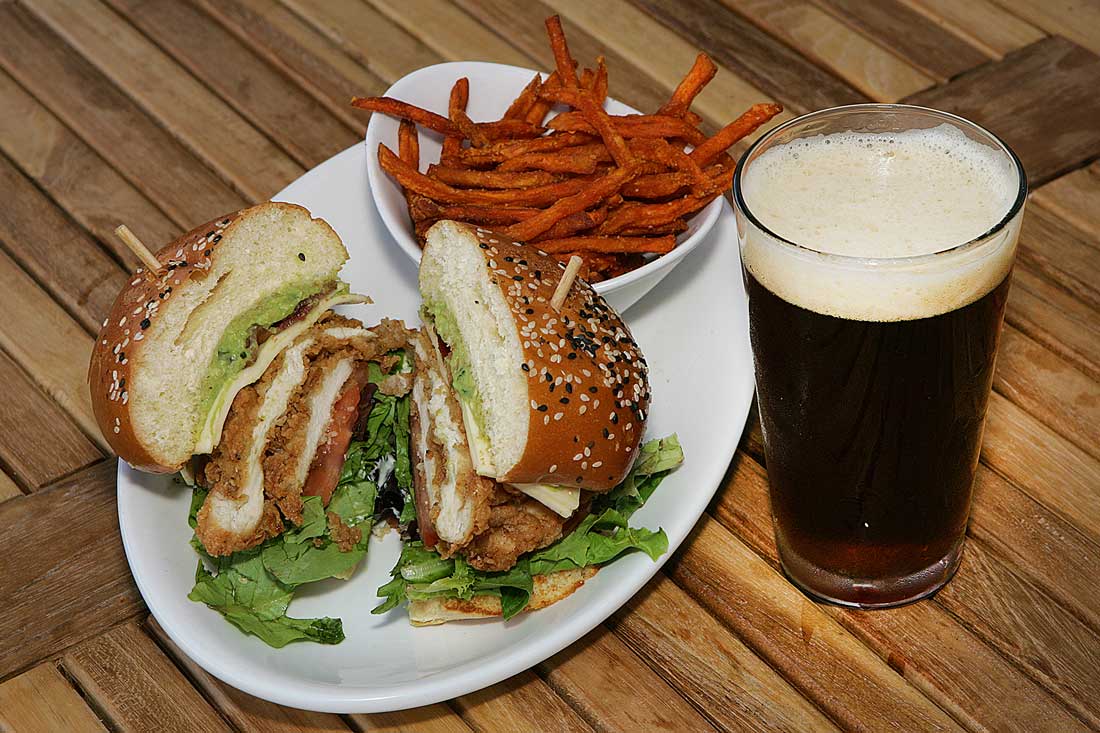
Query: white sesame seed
122	322
554	468
545	419
559	415
578	457
584	409
597	464
116	428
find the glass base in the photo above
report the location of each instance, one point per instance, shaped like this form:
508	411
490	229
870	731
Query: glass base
870	593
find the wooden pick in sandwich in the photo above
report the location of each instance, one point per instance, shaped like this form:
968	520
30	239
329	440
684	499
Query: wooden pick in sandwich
566	282
152	264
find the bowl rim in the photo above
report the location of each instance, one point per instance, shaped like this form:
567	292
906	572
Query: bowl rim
400	231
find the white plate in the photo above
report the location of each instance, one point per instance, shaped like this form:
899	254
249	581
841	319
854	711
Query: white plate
492	88
693	331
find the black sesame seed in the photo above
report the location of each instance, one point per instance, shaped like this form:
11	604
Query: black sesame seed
144	323
543	408
524	367
529	311
571	355
244	354
552	386
509	258
483	245
517	278
538	274
548	377
207	253
217	238
614	418
569	387
302	256
523	262
564	400
593	390
606	433
209	234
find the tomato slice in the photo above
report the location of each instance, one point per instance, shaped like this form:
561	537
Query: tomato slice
324	472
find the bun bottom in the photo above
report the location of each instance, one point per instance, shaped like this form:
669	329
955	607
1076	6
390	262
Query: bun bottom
548	590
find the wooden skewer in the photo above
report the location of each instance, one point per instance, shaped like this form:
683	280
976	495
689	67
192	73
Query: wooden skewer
152	264
566	282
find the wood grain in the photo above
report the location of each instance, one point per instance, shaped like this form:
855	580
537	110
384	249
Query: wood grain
57	358
75	176
614	690
724	678
8	488
110	122
438	718
226	140
628	82
38	442
65	576
858	60
1044	108
1076	20
1049	388
367	36
777	69
449	31
981	23
1065	255
41	699
279	108
1018	619
246	713
1050	315
1073	197
521	703
137	687
928	646
300	52
909	34
55	251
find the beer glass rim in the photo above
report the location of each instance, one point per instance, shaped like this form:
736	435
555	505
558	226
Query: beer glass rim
765	139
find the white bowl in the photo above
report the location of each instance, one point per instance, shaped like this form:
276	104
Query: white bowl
492	88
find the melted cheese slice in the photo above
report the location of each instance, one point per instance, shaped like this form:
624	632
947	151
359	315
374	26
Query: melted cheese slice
211	431
560	499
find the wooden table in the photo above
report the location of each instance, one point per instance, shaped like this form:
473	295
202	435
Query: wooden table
163	114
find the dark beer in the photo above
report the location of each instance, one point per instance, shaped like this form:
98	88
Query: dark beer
872	435
877	244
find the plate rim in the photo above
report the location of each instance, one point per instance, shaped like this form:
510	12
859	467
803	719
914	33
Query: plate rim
438	687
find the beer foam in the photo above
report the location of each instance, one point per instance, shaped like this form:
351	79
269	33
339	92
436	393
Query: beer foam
886	196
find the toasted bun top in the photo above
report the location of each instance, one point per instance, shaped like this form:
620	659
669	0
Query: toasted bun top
586	382
158	340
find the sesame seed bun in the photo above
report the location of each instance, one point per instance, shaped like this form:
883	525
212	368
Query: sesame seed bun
564	394
163	332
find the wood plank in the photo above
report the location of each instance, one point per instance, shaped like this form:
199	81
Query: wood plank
74	175
41	699
1052	316
38	442
56	251
922	642
1014	616
825	662
1037	544
450	32
246	713
1049	388
136	686
8	488
219	135
774	67
436	718
521	703
1049	468
629	82
1062	253
300	52
1076	20
1048	86
1074	197
614	690
367	36
275	105
909	34
858	60
733	687
981	23
57	357
140	149
66	577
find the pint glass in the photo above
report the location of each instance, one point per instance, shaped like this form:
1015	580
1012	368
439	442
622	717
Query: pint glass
877	244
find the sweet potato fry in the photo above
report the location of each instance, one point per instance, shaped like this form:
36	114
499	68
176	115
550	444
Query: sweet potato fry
408	143
460	96
673	227
588	79
702	71
567	71
404	110
503	130
574	223
601	121
522	104
658	186
541	107
576	159
586	198
506	150
472	178
597	265
410	178
427	210
632	215
610	245
599	86
633	126
722	140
